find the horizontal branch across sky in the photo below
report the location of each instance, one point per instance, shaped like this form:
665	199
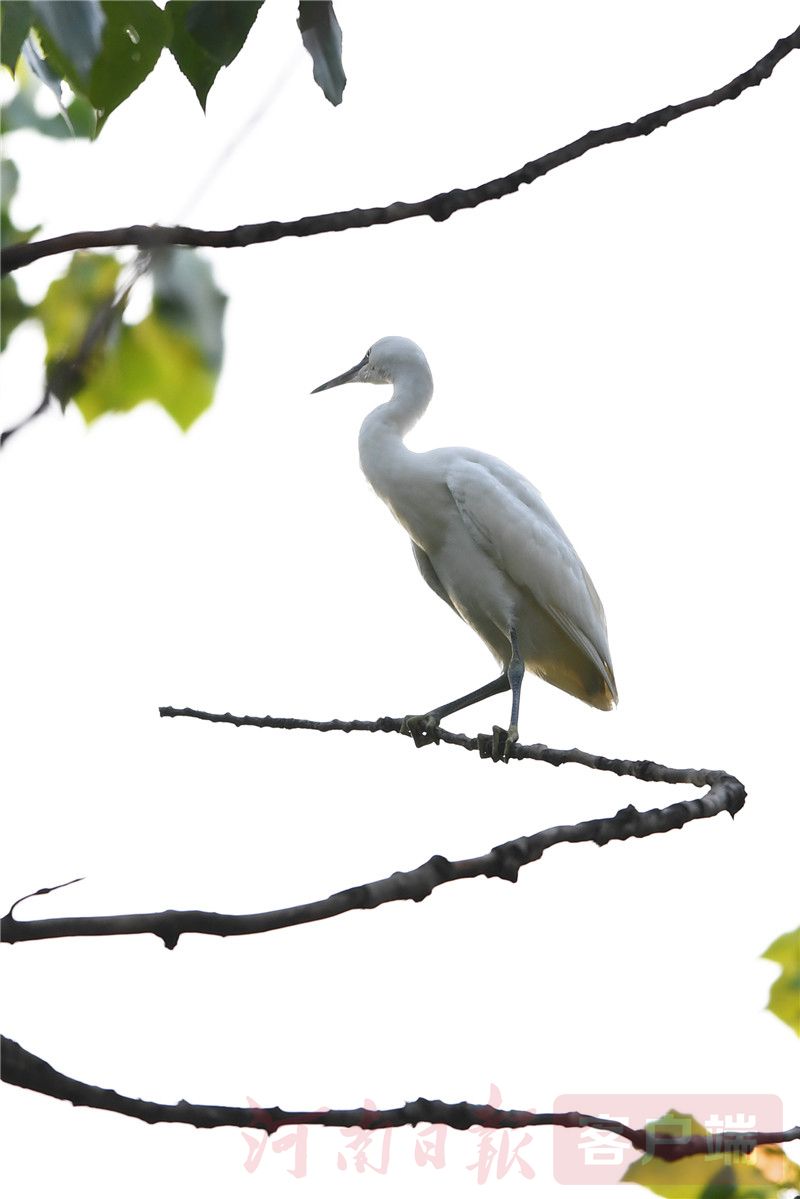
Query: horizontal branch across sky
438	207
23	1069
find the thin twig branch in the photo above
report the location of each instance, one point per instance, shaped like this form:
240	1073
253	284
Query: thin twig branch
644	770
438	207
23	1069
41	408
725	794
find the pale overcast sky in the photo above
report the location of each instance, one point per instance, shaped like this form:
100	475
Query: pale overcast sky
623	332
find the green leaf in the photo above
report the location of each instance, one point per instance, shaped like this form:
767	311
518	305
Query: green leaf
322	37
70	305
206	36
77	120
221	28
186	297
13	309
150	361
15	21
172	356
75	27
784	996
9	234
195	63
9	181
42	69
711	1176
9	178
136	32
134	35
71	301
776	1166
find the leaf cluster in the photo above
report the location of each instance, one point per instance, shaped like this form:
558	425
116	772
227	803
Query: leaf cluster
784	995
104	49
763	1173
172	356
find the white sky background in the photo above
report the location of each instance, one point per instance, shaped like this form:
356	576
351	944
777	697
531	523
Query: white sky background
624	333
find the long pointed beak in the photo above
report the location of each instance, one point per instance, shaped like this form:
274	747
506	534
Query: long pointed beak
347	377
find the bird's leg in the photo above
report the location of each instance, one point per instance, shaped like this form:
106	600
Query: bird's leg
516	673
498	746
424	729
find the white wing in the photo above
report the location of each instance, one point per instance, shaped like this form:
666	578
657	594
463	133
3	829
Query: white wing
430	576
508	518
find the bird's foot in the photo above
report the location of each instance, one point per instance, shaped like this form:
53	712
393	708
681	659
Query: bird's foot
499	746
424	729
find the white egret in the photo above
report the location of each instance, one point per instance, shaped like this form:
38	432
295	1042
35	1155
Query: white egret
487	544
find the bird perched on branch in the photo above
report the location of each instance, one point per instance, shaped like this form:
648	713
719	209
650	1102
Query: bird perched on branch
488	545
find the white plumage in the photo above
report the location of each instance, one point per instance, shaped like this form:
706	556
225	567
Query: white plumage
487	544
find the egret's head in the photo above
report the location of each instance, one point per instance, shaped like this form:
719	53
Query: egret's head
382	363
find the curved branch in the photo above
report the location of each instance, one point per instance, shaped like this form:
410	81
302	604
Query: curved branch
725	794
438	207
21	1068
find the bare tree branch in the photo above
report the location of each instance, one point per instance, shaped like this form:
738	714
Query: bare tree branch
438	207
725	794
644	770
23	1069
41	408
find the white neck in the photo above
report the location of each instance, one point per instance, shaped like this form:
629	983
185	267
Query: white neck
380	441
